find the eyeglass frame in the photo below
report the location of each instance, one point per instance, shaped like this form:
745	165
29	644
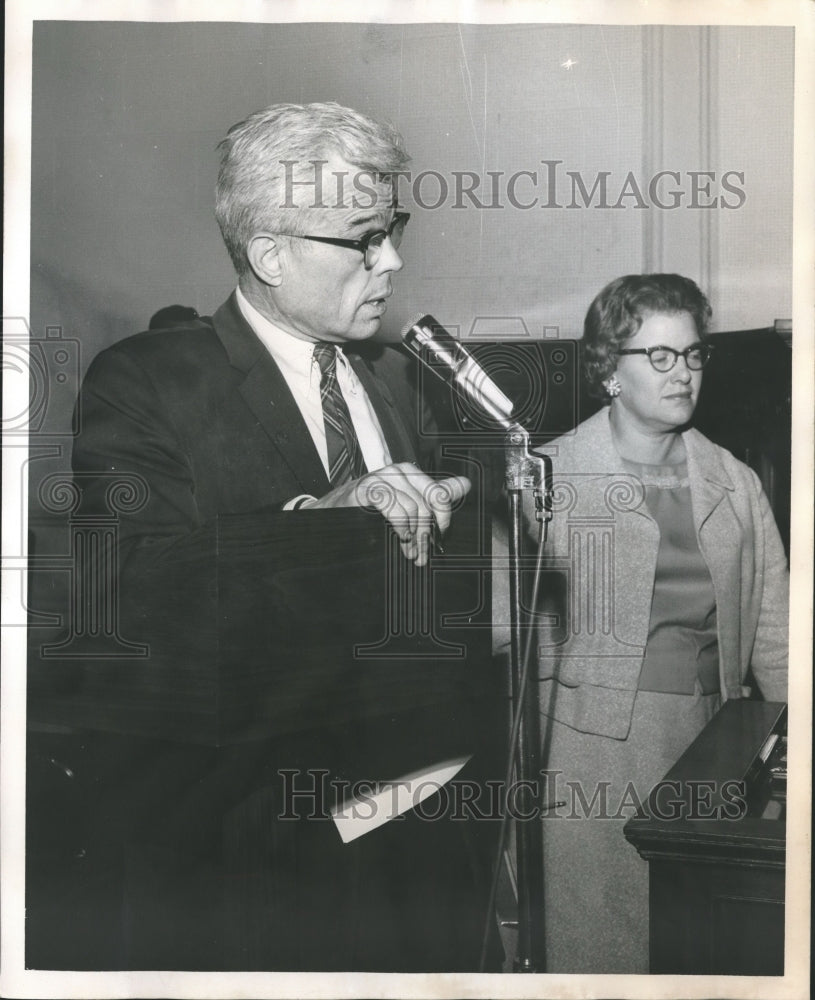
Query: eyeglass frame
363	245
709	348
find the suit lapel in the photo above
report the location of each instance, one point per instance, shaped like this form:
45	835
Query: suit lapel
400	446
267	394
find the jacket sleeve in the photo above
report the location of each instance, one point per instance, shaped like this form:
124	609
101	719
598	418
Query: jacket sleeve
770	657
126	438
129	442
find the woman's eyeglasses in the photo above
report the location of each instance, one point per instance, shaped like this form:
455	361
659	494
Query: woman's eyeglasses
663	359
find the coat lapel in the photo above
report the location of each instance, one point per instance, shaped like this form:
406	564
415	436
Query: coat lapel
717	529
594	452
267	394
398	440
710	478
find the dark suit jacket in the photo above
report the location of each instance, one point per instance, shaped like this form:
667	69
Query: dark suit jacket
205	420
203	415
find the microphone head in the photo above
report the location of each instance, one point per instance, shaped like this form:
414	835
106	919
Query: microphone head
419	328
449	360
425	337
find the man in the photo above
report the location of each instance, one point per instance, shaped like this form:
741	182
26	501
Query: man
259	413
285	193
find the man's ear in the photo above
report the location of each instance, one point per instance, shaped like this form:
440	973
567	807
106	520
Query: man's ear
263	254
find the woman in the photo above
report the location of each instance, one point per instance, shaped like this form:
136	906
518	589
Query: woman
670	581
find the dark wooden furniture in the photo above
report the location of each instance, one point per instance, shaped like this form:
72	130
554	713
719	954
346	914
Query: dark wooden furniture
746	406
263	624
715	838
159	722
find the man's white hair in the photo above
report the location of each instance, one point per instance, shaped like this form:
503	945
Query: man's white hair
279	144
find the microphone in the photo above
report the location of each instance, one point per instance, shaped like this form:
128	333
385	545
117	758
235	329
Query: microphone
450	361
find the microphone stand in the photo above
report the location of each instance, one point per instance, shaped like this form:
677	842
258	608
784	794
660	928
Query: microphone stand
450	361
525	472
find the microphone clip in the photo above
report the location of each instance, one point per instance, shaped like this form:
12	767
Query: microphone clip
528	471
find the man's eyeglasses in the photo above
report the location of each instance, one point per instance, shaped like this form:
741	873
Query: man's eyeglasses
663	359
370	246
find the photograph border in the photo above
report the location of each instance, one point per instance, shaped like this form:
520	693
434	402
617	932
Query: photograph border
15	980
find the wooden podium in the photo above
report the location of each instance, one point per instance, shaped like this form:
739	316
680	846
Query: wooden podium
715	839
160	719
268	623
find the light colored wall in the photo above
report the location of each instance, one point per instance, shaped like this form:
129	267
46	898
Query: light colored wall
721	100
126	118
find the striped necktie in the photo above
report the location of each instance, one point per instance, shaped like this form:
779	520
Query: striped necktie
345	461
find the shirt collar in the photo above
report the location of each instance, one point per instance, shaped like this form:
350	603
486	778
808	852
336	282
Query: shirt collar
288	351
284	348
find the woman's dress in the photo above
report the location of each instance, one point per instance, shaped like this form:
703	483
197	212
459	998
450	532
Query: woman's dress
595	883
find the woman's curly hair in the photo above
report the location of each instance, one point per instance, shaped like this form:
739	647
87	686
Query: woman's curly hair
619	310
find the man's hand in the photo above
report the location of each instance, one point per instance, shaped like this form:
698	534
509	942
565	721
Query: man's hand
413	503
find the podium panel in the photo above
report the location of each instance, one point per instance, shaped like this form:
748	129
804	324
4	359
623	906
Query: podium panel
272	623
184	757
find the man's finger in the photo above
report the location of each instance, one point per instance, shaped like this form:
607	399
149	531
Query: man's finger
417	545
443	495
412	503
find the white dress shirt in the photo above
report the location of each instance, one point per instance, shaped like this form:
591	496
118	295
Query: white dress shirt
295	359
